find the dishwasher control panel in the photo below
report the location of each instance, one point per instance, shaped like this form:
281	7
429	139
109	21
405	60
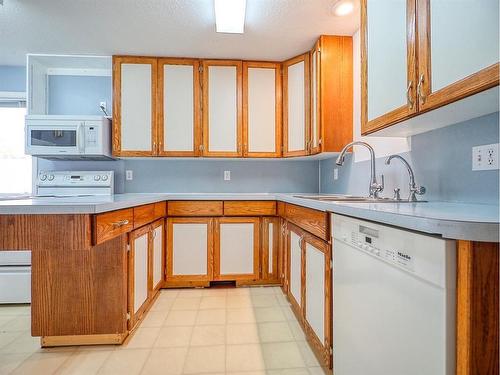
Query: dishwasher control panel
414	252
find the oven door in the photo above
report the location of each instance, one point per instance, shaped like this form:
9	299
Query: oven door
55	139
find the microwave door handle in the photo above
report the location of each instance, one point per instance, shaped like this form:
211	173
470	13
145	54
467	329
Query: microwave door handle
81	136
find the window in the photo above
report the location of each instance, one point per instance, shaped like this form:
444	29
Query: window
15	166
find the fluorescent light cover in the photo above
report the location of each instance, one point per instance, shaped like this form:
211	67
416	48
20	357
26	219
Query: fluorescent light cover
343	8
230	16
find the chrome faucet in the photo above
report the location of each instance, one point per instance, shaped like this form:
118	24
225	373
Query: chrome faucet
375	187
414	188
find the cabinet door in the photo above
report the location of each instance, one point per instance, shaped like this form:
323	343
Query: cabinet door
458	49
134	106
189	251
296	115
318	295
388	64
295	257
261	109
138	273
314	145
179	127
282	256
157	255
236	253
270	240
222	104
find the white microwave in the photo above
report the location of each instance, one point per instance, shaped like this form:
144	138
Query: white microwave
68	137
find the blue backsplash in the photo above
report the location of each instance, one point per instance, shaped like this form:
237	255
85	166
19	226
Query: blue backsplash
442	162
12	78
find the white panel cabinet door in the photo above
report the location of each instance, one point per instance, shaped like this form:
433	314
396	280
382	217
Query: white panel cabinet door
237	248
296	106
179	109
140	269
134	106
295	266
222	104
189	250
261	109
157	255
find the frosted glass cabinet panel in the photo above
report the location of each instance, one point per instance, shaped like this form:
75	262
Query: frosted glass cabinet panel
464	38
296	105
389	51
157	255
178	91
261	109
222	108
134	106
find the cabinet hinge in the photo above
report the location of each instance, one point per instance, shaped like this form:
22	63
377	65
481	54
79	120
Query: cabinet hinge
128	316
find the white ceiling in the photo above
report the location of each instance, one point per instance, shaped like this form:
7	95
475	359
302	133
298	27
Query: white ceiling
274	29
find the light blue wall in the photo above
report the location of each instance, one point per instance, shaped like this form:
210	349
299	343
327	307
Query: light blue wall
12	78
441	159
78	95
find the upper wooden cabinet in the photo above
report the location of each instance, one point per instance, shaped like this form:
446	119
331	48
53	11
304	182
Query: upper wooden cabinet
222	115
432	53
134	106
331	94
261	109
296	106
179	101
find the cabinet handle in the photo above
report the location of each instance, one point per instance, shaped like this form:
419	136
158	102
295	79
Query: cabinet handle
154	148
121	223
421	96
411	103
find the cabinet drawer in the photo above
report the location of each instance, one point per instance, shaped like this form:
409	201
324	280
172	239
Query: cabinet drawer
195	208
148	213
111	224
313	221
249	208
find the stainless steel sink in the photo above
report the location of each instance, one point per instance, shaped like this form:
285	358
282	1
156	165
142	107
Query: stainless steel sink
351	198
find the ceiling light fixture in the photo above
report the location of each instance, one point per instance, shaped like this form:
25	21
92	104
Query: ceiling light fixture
343	7
230	16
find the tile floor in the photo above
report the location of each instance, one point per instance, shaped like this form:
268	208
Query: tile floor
196	331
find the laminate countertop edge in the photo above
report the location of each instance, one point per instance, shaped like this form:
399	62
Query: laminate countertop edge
463	221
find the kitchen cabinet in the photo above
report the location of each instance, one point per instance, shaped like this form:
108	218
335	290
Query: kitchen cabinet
236	251
138	266
295	272
157	256
261	109
331	94
296	106
179	112
282	256
270	250
431	54
134	106
189	251
318	295
222	108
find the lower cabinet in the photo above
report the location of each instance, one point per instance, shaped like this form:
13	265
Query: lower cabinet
236	253
295	249
157	263
189	251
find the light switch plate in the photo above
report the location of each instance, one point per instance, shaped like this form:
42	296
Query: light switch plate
227	175
129	175
485	157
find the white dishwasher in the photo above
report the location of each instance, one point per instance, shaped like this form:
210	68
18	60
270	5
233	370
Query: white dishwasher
393	300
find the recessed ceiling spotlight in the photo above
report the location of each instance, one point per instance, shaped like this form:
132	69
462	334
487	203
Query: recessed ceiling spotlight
343	7
230	16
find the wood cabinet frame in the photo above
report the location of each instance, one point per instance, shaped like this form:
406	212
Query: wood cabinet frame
172	280
205	107
307	103
197	136
407	110
482	80
256	246
116	136
278	109
270	251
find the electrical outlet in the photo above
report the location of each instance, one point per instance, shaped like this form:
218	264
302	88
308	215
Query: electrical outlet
485	157
129	175
227	175
335	173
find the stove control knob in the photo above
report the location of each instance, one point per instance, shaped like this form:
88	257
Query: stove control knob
51	177
97	177
105	177
43	177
